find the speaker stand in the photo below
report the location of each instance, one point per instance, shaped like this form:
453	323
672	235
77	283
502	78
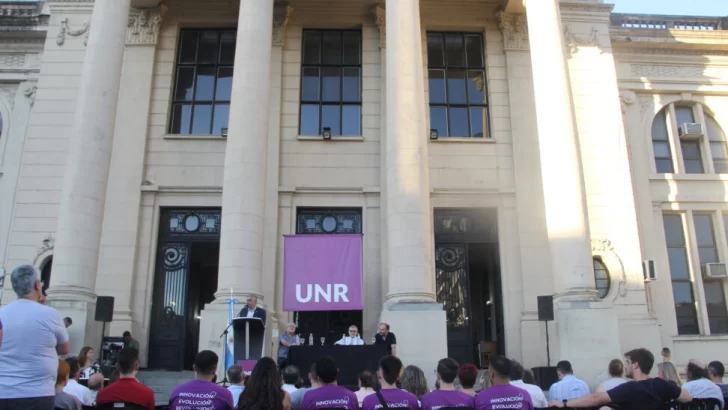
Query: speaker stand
101	350
548	350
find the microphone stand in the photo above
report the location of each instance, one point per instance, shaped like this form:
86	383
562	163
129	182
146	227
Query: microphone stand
225	382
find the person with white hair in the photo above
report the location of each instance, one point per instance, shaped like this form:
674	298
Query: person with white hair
285	341
34	337
352	339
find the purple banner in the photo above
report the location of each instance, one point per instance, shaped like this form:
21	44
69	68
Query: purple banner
322	272
247	366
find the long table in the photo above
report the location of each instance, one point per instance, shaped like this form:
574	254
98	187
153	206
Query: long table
351	360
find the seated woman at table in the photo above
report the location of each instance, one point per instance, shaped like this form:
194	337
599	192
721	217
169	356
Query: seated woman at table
353	339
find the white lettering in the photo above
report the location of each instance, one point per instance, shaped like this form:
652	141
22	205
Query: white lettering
340	293
308	294
325	294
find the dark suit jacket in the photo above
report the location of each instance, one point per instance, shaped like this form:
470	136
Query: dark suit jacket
259	313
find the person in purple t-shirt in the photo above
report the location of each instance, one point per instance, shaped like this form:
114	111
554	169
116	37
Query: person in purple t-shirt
390	368
327	394
446	395
202	392
502	395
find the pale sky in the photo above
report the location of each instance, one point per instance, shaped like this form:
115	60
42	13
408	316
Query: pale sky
679	7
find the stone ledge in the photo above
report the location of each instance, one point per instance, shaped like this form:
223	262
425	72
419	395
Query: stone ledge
333	139
464	140
193	137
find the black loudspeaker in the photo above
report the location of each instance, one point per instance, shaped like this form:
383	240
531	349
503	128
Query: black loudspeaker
104	308
545	376
545	308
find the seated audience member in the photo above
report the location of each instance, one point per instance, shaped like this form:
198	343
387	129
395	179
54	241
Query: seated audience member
235	376
353	339
516	379
502	394
468	375
366	386
413	380
73	387
291	376
568	387
86	361
644	393
67	321
528	377
616	370
667	371
127	388
188	395
666	355
388	372
446	395
698	384
297	396
95	384
263	391
63	400
716	371
328	394
33	338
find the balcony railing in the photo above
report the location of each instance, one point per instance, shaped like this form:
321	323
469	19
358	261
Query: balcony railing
661	22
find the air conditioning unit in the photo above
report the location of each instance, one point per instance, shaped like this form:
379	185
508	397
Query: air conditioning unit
690	131
715	270
649	270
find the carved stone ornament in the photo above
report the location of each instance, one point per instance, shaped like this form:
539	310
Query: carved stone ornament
574	44
143	26
281	17
627	98
66	30
380	19
48	244
603	248
514	28
8	94
29	91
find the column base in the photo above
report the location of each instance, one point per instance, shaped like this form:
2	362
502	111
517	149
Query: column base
84	331
421	333
588	337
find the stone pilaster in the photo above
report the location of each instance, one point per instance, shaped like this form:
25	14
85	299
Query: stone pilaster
119	238
587	327
380	19
83	195
410	303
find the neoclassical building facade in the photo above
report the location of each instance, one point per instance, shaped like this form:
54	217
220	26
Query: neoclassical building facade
490	152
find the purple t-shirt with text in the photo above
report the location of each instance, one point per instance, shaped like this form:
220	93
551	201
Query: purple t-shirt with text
201	395
395	398
446	398
503	396
329	396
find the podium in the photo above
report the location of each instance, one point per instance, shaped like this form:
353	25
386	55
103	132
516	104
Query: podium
248	334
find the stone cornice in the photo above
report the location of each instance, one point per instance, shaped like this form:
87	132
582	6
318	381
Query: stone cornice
281	17
586	7
380	19
514	28
668	51
143	26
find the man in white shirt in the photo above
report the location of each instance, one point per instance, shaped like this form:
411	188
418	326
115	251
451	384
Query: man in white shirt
616	371
516	379
699	386
291	376
73	388
353	339
34	336
568	387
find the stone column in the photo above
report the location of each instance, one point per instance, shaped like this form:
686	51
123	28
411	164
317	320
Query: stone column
587	327
410	303
80	219
561	168
246	155
120	235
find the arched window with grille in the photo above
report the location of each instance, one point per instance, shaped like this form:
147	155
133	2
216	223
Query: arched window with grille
718	147
601	278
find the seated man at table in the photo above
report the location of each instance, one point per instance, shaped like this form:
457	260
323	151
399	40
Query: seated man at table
327	394
353	339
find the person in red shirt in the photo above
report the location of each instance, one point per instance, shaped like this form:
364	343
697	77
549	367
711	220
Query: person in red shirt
127	389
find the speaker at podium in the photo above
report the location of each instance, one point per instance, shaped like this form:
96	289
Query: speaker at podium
248	336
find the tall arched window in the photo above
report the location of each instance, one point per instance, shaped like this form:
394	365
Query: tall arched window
601	277
718	147
661	144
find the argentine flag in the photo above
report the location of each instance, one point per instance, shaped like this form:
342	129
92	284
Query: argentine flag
230	342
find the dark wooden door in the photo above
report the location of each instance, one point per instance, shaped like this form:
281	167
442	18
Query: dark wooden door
452	288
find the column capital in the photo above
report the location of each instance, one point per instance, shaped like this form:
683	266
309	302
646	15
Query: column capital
143	25
514	28
380	19
281	17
